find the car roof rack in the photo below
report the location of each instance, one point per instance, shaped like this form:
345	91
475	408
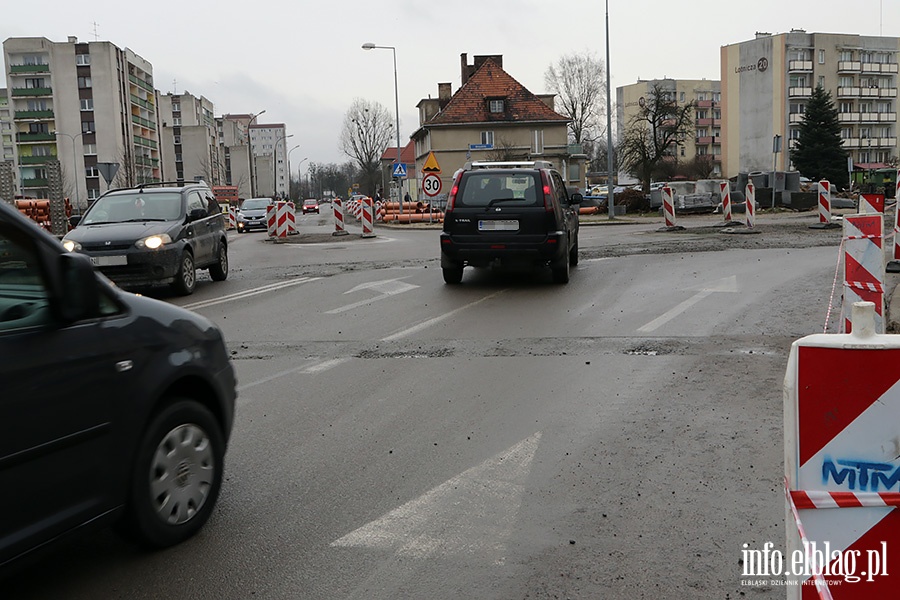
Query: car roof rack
508	164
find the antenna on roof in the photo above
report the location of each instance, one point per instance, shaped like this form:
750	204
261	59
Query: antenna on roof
96	35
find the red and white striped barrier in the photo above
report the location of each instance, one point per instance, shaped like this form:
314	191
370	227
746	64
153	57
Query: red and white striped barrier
863	265
271	220
725	193
750	203
871	204
232	217
292	219
824	201
842	473
668	200
368	218
338	217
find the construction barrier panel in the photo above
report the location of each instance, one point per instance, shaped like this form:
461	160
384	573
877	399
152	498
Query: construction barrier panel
271	220
863	265
668	200
750	204
871	203
725	193
338	217
232	217
824	201
292	219
368	218
842	470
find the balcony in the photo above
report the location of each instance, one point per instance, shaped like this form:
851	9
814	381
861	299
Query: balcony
140	141
34	183
799	92
800	65
35	160
849	66
143	122
35	137
145	161
29	68
879	68
44	91
795	118
141	83
142	103
849	92
870	143
705	140
878	92
34	114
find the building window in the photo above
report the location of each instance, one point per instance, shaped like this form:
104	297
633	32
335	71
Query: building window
176	121
82	59
177	139
90	149
93	193
681	97
84	82
87	103
40	151
821	82
87	127
846	55
487	138
34	83
845	81
537	141
821	57
496	106
91	172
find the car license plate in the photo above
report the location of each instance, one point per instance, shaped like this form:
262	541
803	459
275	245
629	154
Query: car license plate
109	261
499	225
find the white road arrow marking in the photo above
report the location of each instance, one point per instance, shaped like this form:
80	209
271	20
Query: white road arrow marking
470	514
387	288
726	284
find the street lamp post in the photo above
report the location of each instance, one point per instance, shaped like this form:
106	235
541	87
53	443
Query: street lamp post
74	165
289	167
371	46
252	156
275	163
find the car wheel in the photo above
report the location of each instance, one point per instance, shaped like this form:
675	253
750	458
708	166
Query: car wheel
452	275
176	477
219	271
561	270
573	254
186	277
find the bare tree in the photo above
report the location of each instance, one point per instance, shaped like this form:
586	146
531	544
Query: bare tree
654	134
579	82
366	133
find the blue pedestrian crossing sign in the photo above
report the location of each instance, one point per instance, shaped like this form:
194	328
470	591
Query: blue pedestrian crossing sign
399	171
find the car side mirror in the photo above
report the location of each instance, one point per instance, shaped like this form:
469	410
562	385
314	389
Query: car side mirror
74	220
576	198
80	296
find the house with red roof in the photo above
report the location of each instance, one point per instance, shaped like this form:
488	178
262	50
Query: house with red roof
493	117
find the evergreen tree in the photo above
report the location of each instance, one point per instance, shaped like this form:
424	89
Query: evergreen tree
819	152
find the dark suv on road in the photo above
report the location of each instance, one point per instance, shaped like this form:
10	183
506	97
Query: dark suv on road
153	234
115	408
510	214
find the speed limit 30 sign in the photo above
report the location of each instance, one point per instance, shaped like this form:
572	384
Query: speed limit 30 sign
431	184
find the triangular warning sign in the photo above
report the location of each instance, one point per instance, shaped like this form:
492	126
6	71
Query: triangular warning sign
431	164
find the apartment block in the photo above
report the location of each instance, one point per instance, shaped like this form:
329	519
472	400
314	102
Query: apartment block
81	103
189	139
234	150
7	144
767	81
706	139
268	144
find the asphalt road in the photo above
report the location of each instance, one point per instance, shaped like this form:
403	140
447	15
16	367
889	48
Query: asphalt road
617	437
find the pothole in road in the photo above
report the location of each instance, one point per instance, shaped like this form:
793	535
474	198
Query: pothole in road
646	350
416	353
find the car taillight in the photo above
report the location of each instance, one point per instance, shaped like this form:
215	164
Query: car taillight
453	191
548	199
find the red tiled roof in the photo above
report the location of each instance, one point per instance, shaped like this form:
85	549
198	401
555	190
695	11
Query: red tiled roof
469	104
407	154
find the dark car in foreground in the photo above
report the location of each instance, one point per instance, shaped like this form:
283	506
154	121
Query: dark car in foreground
115	408
154	234
510	214
252	214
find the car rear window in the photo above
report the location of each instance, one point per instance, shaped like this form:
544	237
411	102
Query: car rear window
491	188
120	208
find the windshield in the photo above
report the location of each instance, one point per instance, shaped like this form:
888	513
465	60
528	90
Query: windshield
310	202
254	203
490	188
122	208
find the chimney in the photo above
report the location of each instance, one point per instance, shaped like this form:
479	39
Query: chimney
73	39
464	69
444	92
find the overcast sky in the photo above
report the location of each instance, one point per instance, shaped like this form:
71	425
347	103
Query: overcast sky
303	63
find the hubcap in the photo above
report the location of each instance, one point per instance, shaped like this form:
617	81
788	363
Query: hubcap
188	272
181	474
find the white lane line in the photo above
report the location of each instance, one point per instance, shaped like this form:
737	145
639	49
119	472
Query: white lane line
470	514
308	369
248	293
426	324
671	314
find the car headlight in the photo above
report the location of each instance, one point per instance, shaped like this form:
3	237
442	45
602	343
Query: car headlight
154	241
71	246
